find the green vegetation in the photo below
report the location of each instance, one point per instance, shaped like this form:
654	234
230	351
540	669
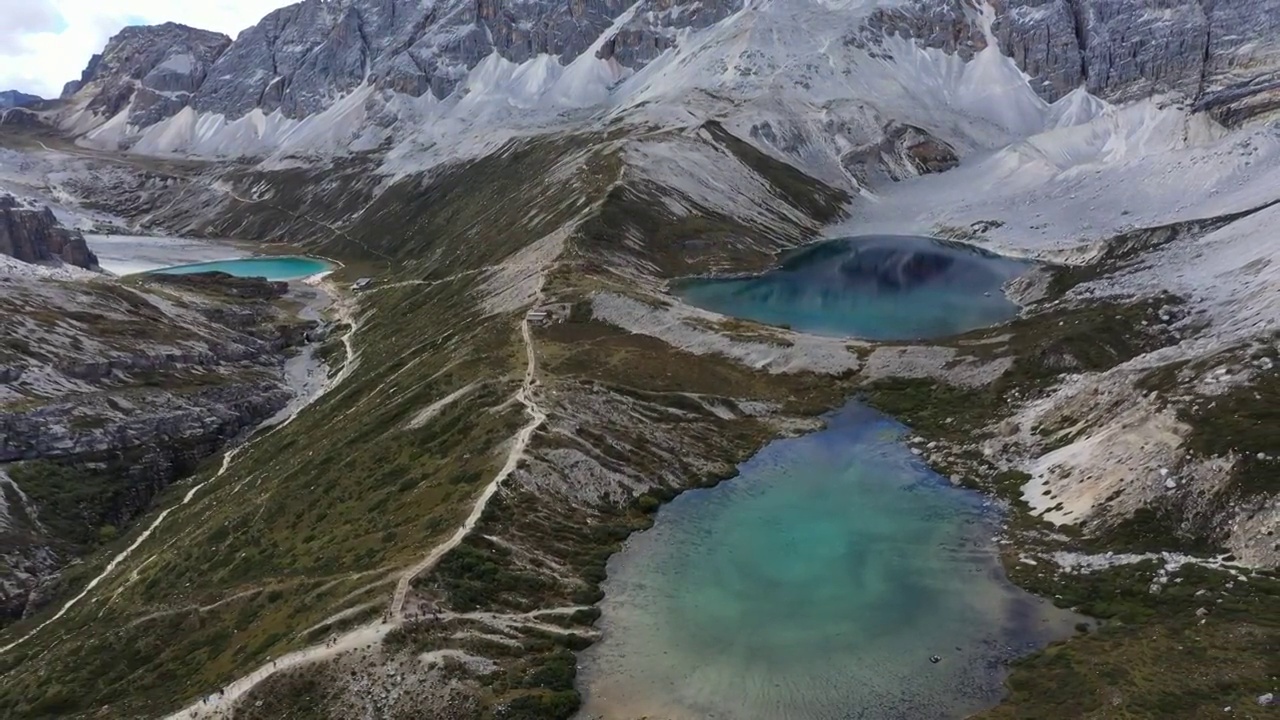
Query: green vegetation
1040	347
1152	657
352	489
1156	655
1244	422
82	505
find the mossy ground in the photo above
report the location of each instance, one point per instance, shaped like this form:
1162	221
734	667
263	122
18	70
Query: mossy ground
1153	656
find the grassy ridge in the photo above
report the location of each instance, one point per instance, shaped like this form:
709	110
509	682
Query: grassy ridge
312	518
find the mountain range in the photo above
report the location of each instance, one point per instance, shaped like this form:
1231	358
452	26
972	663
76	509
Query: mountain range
14	98
333	75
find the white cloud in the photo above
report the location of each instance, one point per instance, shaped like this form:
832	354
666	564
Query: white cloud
45	43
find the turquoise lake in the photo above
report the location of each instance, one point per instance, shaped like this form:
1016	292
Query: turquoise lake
876	287
285	267
822	581
816	585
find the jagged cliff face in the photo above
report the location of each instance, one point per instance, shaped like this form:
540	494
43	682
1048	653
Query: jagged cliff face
300	58
1221	55
305	59
149	72
35	236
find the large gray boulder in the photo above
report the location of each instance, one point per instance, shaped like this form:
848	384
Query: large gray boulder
34	235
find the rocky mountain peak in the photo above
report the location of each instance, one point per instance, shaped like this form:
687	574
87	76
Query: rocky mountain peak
15	98
150	69
300	57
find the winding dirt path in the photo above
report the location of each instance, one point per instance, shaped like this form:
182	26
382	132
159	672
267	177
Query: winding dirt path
536	417
344	310
124	554
221	704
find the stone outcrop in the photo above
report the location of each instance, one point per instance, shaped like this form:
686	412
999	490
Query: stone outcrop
36	236
949	25
207	419
906	151
20	117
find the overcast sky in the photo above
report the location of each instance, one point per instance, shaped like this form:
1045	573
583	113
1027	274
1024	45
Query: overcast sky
45	43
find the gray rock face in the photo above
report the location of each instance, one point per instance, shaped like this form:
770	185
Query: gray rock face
35	236
298	59
1222	56
1241	76
1136	49
949	26
1042	37
157	67
207	418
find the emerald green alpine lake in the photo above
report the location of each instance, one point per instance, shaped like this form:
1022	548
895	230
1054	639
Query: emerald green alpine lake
289	267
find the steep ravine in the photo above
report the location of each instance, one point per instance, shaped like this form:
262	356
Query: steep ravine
114	390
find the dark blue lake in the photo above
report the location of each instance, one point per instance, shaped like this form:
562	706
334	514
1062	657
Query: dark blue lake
877	287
